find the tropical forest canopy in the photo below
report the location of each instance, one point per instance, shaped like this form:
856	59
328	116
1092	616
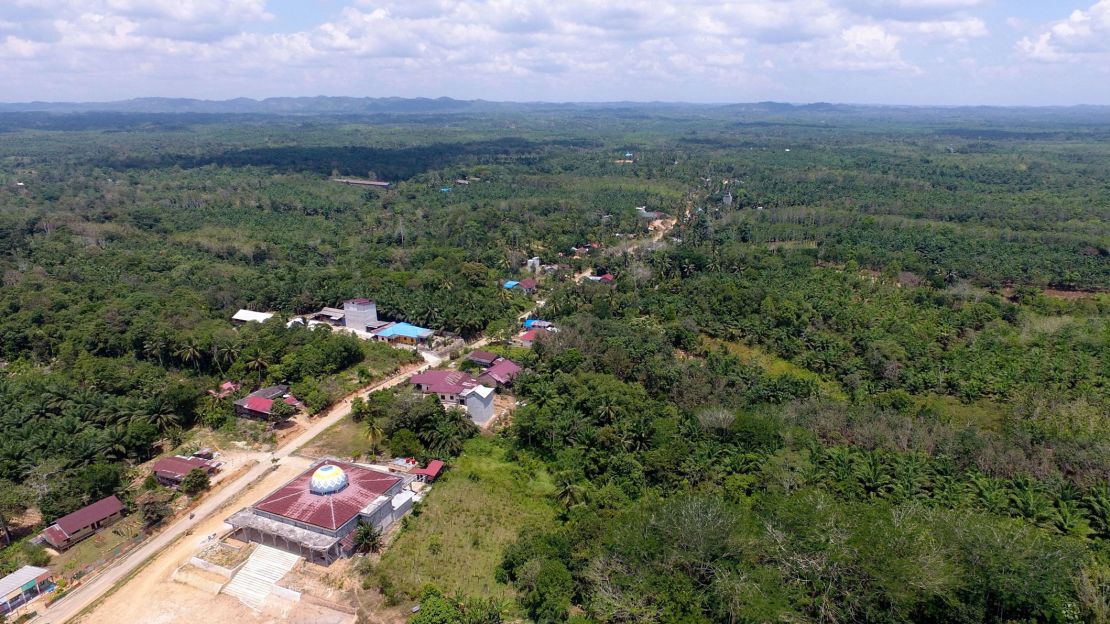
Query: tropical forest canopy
865	377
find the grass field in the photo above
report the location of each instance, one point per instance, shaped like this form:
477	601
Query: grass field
98	547
469	517
344	439
774	365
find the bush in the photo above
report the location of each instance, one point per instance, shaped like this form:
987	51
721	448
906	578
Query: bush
195	482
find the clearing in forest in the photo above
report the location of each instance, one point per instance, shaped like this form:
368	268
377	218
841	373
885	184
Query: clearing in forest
470	516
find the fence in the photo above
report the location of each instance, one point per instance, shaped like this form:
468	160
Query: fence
122	549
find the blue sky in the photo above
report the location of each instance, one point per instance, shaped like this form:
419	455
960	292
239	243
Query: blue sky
864	51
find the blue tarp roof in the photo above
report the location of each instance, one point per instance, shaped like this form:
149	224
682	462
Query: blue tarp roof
532	322
404	330
511	284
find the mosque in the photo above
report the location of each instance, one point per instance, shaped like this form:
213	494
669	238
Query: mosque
315	515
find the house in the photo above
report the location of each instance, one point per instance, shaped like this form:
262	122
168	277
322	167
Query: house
72	528
533	265
225	390
457	388
403	333
23	586
259	404
527	285
170	471
408	465
250	316
606	279
447	384
356	182
430	472
483	358
527	338
359	314
330	316
478	402
531	323
500	374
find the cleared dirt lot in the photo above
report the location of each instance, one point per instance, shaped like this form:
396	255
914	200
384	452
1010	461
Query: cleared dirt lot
152	597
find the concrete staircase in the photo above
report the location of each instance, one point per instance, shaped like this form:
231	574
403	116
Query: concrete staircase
255	580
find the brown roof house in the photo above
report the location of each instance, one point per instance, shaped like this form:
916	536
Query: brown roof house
500	374
170	471
72	528
259	404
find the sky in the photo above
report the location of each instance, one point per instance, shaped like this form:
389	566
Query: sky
918	52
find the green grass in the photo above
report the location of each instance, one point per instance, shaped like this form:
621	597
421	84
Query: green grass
344	439
99	547
774	365
471	514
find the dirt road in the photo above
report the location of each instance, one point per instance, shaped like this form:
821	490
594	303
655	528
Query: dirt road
87	594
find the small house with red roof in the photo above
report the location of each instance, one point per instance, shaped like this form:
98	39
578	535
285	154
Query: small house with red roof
500	374
225	390
449	385
483	358
259	405
86	521
171	471
529	337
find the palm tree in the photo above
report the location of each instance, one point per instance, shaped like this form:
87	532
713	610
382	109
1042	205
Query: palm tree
374	435
568	491
189	353
367	538
1097	503
258	362
1070	519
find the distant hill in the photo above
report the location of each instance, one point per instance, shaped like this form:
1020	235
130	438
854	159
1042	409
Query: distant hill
817	112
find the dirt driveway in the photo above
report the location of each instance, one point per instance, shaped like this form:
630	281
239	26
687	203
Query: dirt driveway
151	597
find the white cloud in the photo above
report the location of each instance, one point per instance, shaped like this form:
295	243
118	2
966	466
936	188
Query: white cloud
15	48
520	49
1085	34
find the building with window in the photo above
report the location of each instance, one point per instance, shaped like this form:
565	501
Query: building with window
316	514
23	586
72	528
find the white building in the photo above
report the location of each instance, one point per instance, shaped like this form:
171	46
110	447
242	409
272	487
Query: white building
358	314
479	404
250	316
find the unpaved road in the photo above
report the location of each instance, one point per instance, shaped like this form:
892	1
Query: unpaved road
88	593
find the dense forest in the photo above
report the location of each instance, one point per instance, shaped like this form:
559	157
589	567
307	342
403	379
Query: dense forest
865	377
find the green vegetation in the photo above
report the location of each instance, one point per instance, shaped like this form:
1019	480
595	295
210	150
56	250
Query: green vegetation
873	387
470	515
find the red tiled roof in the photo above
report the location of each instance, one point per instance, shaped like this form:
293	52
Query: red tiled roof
482	357
444	381
327	511
608	277
259	404
87	515
432	470
531	334
528	284
503	371
291	400
55	535
177	467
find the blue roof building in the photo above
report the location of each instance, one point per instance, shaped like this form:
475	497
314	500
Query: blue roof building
511	284
403	332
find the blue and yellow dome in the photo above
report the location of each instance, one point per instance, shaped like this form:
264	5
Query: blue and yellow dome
328	479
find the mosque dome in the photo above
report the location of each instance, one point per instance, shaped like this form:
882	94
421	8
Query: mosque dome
328	479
